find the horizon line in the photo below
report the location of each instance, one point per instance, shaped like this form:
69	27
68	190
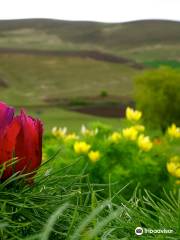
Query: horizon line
91	21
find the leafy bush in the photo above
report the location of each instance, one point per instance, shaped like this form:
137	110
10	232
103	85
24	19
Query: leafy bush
157	94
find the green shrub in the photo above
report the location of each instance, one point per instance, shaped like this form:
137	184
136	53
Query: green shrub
157	94
103	93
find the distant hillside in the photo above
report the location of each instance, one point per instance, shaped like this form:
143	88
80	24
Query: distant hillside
84	54
139	40
27	79
46	61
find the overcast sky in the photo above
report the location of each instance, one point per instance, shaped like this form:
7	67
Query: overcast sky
94	10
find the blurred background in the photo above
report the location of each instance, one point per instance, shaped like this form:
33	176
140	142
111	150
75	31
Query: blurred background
74	72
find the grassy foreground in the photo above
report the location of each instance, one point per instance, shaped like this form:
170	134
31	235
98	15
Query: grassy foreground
100	183
61	206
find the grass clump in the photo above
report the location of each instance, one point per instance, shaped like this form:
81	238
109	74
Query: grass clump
70	207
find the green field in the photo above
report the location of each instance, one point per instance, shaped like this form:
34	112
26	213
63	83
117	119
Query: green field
37	80
52	116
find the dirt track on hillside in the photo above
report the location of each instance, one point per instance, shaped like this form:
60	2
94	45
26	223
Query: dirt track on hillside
105	111
96	55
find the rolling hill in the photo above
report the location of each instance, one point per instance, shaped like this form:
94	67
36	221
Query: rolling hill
139	40
46	62
43	80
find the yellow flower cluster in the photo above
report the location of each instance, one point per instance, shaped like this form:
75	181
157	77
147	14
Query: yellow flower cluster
139	128
130	133
133	115
115	137
86	132
62	133
70	137
173	131
144	143
59	132
94	156
82	147
173	166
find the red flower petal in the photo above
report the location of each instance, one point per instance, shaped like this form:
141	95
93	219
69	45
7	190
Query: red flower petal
6	116
7	146
29	144
8	132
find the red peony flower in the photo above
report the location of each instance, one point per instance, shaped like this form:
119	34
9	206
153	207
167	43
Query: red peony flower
21	138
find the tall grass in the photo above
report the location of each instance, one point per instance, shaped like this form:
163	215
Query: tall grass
63	206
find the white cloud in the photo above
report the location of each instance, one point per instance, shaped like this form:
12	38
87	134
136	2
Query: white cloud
95	10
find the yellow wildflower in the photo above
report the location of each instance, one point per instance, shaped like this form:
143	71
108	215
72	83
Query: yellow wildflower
144	143
54	131
139	128
177	173
115	137
59	132
130	133
71	136
86	132
133	115
173	131
94	156
173	166
81	147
